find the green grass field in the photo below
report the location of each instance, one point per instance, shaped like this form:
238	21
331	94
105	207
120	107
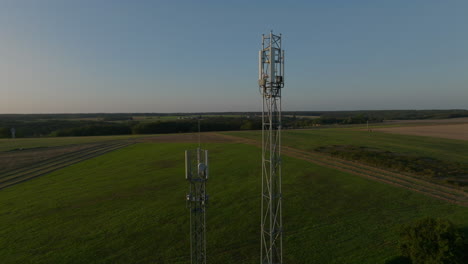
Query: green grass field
128	206
440	148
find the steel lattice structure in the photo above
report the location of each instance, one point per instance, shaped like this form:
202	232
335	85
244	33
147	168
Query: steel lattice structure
271	80
196	172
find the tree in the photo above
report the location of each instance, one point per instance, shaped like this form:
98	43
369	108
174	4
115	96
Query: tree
4	132
432	241
398	260
247	125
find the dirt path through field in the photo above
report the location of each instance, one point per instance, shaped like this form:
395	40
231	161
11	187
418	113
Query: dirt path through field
406	181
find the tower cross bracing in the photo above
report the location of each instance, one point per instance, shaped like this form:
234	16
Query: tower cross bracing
196	172
271	81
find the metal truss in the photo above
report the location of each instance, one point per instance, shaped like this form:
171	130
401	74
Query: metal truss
271	80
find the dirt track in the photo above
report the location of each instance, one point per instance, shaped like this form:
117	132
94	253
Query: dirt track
10	160
449	194
458	131
56	160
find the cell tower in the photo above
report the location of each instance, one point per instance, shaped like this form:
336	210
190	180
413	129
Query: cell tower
271	80
196	172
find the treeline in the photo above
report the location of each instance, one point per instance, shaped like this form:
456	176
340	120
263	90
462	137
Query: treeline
387	114
37	125
376	114
295	122
37	128
302	119
94	130
36	117
161	127
191	125
112	116
98	128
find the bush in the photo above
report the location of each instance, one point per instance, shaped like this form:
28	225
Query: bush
398	260
432	241
4	132
424	166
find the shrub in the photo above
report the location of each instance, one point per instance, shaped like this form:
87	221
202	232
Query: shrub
398	260
432	241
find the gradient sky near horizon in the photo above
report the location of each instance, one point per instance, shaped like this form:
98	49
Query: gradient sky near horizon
87	56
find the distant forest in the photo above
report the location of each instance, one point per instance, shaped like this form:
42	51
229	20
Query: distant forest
61	125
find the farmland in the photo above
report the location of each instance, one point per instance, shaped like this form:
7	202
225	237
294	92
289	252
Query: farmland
128	205
458	131
309	140
29	143
448	154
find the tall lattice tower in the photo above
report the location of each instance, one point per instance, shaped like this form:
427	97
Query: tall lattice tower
271	80
196	172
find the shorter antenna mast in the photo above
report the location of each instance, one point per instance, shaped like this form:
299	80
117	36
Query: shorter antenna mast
199	132
197	172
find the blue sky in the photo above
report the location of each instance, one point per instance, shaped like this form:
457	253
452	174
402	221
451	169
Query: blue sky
63	56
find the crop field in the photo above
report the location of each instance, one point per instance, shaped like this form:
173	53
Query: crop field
128	206
29	143
458	120
458	131
19	167
310	140
448	156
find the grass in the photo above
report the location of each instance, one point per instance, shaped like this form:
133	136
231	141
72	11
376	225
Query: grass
439	148
128	207
27	143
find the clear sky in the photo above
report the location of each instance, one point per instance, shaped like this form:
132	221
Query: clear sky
62	56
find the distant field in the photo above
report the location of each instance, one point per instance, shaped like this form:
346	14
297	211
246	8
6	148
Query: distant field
28	143
459	131
128	206
440	148
459	120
